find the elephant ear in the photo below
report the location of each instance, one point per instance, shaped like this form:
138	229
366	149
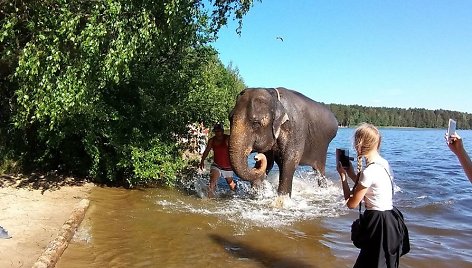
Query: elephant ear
280	115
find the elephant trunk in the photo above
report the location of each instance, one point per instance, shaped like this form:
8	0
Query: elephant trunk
239	153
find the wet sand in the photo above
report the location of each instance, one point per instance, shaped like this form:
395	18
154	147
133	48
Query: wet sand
33	210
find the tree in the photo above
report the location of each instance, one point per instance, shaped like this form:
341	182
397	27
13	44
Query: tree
93	87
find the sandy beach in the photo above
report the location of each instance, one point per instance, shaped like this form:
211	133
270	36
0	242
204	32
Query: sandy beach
33	210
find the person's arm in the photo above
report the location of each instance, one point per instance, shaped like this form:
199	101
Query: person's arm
357	196
457	147
206	152
343	173
353	198
345	185
466	164
351	173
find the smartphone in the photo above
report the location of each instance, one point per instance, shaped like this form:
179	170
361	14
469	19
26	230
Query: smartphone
342	155
451	129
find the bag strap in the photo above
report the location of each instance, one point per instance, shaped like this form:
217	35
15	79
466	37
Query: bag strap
388	173
395	210
360	209
353	188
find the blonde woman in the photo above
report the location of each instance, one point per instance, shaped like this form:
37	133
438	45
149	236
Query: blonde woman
374	185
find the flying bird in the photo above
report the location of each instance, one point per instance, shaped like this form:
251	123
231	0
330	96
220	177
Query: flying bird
280	38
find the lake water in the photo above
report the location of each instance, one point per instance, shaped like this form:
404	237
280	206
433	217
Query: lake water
182	228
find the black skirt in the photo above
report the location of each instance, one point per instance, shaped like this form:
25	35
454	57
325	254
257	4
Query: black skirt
385	234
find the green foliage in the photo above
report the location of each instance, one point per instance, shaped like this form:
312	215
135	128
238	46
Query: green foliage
214	94
159	163
87	86
9	166
352	115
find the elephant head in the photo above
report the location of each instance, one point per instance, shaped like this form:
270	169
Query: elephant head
256	122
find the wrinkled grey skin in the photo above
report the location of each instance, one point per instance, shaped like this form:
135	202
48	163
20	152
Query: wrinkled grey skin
293	130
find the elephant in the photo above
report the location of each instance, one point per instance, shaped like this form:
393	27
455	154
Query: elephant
281	125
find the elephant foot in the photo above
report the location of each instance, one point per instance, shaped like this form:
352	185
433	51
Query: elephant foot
282	201
320	178
257	184
322	181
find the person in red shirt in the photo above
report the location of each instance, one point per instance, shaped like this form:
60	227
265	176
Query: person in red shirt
221	165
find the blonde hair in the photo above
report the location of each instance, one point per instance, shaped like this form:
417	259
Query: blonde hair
366	138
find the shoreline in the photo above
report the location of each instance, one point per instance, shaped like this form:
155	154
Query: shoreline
33	210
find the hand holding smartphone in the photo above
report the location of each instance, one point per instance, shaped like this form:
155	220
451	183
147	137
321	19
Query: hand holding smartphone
342	155
451	129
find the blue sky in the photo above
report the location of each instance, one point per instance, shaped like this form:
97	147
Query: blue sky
386	53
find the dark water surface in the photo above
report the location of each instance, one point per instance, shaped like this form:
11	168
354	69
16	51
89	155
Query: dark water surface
182	228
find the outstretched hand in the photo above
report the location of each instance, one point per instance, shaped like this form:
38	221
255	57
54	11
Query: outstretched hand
454	142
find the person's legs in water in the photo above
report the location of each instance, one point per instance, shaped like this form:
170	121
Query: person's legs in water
228	175
232	184
214	176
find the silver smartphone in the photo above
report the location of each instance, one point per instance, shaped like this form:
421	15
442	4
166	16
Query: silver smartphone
451	129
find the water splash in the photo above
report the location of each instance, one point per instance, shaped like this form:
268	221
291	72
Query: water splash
83	234
264	207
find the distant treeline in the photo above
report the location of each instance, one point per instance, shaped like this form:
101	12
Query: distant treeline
352	115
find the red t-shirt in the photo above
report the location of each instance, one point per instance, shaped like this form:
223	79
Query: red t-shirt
221	154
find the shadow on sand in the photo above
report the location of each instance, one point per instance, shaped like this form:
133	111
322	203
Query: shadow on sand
44	182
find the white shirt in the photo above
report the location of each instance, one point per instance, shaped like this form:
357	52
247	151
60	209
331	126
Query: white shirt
379	187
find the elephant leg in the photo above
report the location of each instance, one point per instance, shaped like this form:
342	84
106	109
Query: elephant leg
286	178
321	169
270	161
320	163
320	178
320	166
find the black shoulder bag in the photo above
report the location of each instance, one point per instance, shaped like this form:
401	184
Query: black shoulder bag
356	230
